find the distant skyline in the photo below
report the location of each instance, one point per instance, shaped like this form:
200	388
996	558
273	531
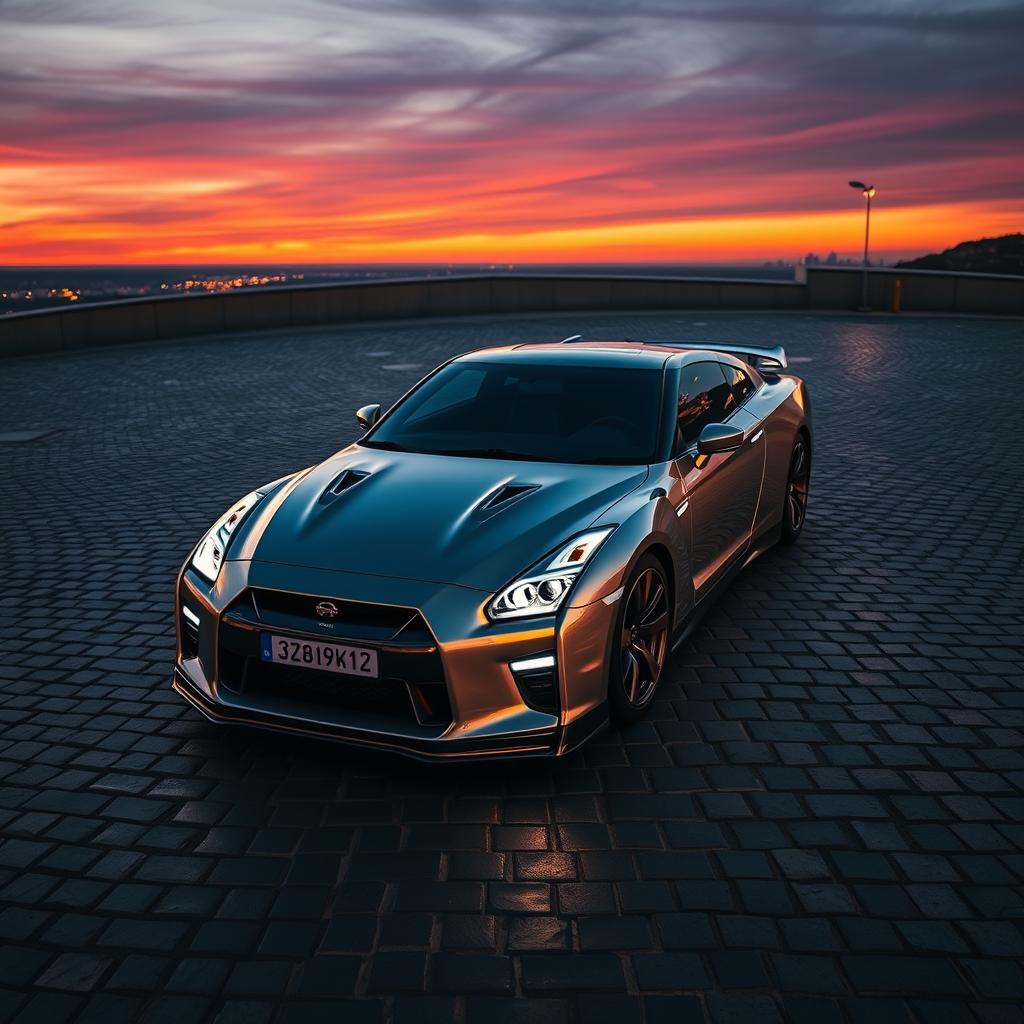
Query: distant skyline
315	131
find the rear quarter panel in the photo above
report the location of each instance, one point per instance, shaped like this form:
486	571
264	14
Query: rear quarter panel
783	406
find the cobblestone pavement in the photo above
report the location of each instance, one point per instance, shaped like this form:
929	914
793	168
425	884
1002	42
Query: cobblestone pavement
821	820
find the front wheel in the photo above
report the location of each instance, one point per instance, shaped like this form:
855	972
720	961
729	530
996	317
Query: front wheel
641	644
798	486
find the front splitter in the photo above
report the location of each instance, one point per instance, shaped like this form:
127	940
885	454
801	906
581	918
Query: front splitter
540	745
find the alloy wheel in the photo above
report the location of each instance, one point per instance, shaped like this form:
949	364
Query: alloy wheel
644	640
799	485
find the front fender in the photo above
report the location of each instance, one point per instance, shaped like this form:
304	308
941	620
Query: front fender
647	519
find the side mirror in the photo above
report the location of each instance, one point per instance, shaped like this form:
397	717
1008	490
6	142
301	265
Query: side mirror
368	415
718	437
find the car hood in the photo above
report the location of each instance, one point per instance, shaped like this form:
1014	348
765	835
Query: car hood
465	521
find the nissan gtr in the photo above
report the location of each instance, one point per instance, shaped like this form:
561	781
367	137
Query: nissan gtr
504	561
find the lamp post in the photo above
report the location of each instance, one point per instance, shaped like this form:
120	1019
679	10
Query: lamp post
867	191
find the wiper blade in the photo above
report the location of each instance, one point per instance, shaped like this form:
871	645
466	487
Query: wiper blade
388	446
493	453
610	461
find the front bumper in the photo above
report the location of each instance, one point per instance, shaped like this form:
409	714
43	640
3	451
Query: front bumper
474	706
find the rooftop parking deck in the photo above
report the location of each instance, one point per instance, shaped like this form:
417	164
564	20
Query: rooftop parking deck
821	819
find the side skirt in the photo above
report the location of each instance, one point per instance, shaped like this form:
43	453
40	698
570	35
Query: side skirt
767	540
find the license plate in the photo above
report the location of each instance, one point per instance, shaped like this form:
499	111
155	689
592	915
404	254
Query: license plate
346	661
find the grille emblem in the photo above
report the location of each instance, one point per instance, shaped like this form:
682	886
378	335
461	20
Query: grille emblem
327	610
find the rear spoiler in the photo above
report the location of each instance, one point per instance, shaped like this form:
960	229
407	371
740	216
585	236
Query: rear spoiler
773	358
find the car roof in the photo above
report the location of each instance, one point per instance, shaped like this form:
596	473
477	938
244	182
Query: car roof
591	353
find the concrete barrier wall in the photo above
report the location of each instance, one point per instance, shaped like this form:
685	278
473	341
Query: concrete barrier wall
913	291
137	320
164	317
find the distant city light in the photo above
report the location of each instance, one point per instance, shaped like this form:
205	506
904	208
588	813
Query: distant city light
104	290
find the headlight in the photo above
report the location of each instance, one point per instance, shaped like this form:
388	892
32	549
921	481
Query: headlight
543	589
209	555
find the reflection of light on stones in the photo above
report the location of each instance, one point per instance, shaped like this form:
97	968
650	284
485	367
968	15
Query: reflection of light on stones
400	366
860	346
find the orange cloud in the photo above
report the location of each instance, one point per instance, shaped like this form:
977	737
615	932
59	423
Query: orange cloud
420	132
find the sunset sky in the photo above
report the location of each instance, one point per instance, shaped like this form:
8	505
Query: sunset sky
133	131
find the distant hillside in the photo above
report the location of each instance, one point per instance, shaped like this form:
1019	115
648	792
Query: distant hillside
1003	255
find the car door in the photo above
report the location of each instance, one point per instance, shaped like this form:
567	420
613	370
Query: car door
722	490
745	383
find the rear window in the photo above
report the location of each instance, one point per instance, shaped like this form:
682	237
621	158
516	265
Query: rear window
740	381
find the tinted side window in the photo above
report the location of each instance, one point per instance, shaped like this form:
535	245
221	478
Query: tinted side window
742	385
704	397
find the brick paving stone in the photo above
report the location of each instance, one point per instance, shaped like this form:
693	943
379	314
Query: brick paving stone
199	975
607	932
571	973
819	820
490	1010
674	1010
538	933
349	932
471	931
397	971
470	972
739	969
670	971
328	976
74	972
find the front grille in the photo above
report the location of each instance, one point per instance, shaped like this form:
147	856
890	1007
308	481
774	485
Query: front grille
355	620
412	685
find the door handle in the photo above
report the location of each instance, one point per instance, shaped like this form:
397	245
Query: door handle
757	437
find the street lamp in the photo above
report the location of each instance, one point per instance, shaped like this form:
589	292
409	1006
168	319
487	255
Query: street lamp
867	191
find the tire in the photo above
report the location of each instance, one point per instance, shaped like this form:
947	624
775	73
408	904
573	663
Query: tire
640	646
798	485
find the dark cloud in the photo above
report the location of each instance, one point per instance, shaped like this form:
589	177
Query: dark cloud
478	114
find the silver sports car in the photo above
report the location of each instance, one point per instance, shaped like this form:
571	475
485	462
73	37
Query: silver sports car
502	564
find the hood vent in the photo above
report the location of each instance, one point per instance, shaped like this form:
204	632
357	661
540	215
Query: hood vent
345	481
506	493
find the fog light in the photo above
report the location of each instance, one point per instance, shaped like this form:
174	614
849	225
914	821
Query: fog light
532	664
537	680
189	632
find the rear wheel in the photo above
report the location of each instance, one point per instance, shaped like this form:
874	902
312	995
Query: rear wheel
641	644
798	487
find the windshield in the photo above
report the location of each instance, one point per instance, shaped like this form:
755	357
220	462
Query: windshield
534	411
